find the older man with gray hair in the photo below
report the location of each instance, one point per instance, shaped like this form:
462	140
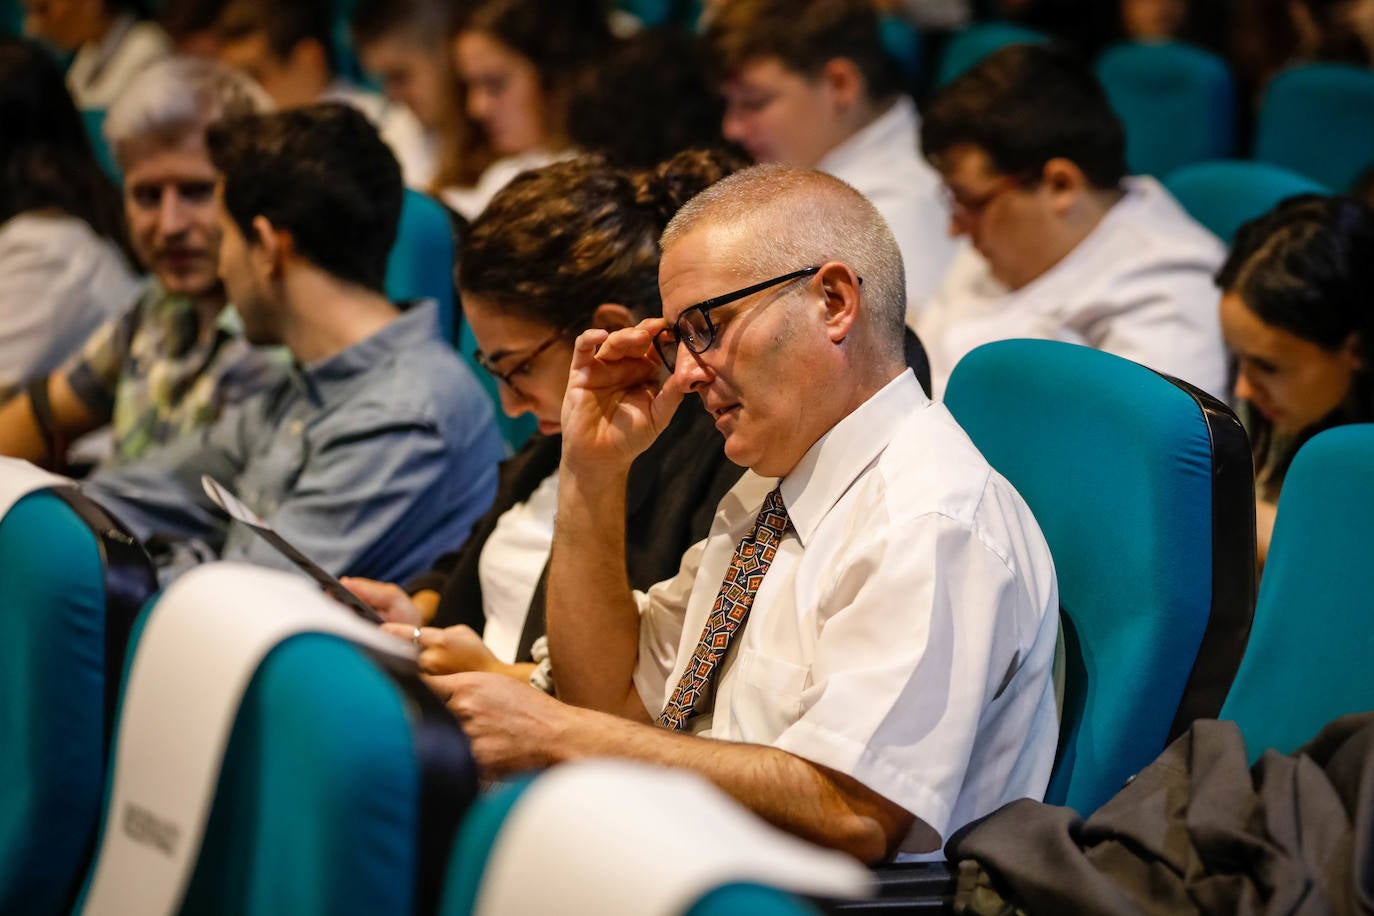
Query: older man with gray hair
166	367
869	629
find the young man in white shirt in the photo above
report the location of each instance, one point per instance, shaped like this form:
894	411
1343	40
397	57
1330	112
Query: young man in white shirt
892	680
807	83
1062	245
287	47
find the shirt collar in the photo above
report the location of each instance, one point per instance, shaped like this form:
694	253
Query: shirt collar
898	125
831	466
418	323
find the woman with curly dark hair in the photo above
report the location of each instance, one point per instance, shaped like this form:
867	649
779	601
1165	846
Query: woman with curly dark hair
561	249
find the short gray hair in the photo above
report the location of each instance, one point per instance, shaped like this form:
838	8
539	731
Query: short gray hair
175	99
793	218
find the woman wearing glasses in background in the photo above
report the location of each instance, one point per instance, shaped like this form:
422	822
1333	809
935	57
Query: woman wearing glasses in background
562	249
1298	313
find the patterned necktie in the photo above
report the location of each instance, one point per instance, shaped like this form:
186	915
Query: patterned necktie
752	558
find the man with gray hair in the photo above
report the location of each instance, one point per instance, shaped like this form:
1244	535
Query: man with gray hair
167	366
868	631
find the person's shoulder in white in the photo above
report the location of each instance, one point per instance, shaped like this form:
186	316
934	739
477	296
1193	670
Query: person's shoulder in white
471	201
883	163
101	71
399	127
59	281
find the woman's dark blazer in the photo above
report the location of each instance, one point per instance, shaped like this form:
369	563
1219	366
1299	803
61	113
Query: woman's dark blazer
671	498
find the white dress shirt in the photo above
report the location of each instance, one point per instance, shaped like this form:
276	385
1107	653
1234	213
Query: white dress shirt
59	282
400	130
511	564
102	70
883	163
1139	285
905	632
470	202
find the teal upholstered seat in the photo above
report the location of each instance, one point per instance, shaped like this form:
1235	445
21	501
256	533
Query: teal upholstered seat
1318	120
971	44
1308	660
71	583
1222	195
421	266
1143	488
94	121
1176	102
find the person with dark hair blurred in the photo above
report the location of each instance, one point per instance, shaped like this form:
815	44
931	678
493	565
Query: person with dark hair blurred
560	249
403	44
808	83
64	249
288	48
175	356
190	24
112	42
379	449
1063	245
1298	313
656	80
518	62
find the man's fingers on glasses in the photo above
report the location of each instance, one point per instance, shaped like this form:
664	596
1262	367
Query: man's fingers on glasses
629	343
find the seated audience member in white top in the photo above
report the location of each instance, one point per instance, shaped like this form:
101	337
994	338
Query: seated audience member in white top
64	248
893	678
518	63
807	83
403	45
288	49
1063	246
112	44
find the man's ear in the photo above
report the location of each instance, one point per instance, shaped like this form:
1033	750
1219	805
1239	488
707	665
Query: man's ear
845	82
840	289
1066	183
270	246
1353	348
611	316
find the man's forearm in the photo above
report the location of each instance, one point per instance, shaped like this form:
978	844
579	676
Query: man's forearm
793	794
591	618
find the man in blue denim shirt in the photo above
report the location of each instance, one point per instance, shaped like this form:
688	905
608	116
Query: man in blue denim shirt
379	449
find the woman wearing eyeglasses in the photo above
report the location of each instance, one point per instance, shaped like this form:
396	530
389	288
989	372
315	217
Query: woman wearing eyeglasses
562	249
1297	312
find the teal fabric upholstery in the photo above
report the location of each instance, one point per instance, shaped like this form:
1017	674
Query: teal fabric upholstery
94	120
1176	102
1222	195
973	43
421	266
1116	463
315	809
421	262
1309	656
750	900
1318	120
52	678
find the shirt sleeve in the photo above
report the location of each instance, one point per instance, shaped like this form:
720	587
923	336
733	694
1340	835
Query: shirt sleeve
909	654
94	372
661	612
378	499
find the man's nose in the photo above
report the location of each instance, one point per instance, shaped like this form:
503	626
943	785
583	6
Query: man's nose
690	370
1244	391
732	125
172	213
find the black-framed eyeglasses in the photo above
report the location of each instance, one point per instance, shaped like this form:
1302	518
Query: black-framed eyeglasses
694	326
523	367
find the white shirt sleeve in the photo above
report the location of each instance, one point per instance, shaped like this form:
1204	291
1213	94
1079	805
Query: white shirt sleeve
662	610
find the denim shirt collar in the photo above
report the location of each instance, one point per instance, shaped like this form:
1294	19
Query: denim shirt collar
322	381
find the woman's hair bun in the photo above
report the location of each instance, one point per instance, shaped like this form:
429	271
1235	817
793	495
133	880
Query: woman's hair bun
665	188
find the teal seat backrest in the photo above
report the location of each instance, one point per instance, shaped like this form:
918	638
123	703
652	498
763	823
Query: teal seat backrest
94	120
1311	648
1176	102
1116	464
1222	195
315	809
421	266
971	44
52	702
1318	120
421	262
